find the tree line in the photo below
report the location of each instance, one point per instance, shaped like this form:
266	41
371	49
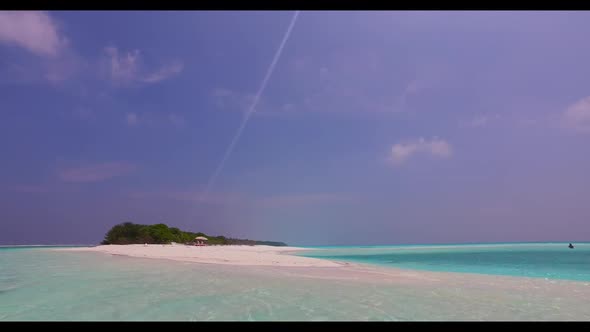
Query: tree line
130	233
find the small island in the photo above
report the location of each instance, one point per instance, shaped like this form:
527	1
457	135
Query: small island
162	242
130	233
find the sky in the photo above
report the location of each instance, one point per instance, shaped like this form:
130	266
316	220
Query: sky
372	128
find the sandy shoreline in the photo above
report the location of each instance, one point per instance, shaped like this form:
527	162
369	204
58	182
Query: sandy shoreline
229	255
264	257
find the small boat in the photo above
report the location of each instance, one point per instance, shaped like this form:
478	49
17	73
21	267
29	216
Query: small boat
571	246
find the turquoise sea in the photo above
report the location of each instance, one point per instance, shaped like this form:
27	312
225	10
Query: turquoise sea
37	284
540	260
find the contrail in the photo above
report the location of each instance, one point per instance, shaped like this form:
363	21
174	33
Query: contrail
236	137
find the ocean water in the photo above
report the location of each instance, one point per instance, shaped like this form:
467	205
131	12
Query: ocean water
537	260
37	284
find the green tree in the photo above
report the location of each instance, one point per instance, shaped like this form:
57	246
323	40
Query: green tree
130	233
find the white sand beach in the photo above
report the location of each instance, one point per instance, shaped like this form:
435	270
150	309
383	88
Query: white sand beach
231	254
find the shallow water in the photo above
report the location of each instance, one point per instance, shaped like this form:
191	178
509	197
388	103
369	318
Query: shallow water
541	260
39	284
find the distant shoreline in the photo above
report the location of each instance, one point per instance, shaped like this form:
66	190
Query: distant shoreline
341	245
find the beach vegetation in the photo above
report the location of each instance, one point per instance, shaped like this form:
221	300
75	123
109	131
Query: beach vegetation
131	233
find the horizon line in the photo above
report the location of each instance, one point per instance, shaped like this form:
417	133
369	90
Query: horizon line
326	245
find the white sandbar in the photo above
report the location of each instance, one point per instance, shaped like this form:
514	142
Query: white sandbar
232	255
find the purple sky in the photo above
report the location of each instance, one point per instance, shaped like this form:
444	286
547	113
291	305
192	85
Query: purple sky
374	128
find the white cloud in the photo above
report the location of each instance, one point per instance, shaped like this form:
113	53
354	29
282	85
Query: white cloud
32	30
125	68
132	119
577	116
38	33
436	147
163	73
95	172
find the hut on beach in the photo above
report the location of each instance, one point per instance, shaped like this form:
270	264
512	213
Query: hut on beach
200	241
